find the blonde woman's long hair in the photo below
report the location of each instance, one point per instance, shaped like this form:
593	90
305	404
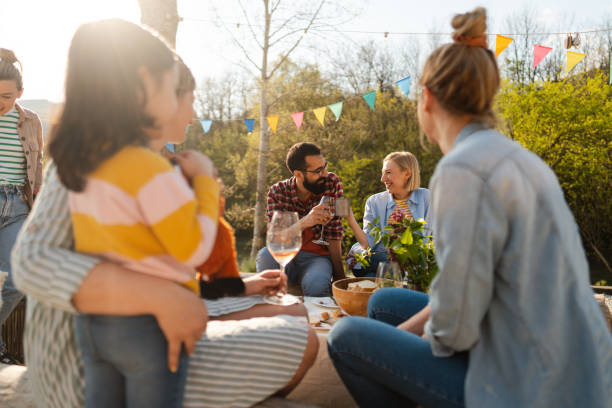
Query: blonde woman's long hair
407	161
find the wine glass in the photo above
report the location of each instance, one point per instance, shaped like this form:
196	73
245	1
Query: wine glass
284	240
329	202
389	275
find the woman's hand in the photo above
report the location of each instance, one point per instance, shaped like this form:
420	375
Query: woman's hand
416	324
268	282
182	318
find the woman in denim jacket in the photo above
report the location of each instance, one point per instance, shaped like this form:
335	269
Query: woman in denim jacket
402	179
510	319
21	148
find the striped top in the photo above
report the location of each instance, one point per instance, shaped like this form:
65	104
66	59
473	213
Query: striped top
12	157
267	351
402	206
138	211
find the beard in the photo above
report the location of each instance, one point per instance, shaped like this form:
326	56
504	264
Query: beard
318	187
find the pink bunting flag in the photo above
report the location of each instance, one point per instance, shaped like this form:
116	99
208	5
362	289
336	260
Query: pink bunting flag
539	52
298	117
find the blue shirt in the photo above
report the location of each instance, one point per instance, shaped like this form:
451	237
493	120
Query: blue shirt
513	287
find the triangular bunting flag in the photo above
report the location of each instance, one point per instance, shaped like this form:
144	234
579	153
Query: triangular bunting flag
272	121
501	43
170	147
336	108
573	58
539	52
370	98
404	85
206	124
320	114
249	124
297	119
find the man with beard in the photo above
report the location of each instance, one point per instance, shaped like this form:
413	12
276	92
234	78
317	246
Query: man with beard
315	264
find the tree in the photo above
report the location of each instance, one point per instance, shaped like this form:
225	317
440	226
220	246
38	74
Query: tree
567	123
162	16
284	26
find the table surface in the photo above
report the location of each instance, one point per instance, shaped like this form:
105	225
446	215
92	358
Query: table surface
321	385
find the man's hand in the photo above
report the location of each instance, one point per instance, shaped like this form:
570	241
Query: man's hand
268	282
182	319
318	215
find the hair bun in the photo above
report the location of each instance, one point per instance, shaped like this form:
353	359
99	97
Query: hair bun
8	56
471	24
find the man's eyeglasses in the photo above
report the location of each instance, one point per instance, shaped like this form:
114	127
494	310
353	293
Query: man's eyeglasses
318	171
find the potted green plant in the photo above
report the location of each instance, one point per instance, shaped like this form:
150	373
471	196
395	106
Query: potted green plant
409	247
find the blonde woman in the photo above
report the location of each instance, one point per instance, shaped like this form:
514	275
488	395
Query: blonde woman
21	146
402	180
510	320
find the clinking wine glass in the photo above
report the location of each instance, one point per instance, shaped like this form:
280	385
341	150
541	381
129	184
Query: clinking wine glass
284	240
330	203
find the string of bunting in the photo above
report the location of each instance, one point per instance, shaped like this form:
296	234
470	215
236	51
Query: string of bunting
501	43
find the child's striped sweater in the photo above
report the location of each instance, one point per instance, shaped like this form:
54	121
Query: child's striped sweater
139	211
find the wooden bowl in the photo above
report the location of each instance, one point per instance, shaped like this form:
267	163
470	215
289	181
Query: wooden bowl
353	303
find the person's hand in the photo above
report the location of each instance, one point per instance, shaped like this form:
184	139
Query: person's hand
318	215
268	282
416	324
182	317
195	164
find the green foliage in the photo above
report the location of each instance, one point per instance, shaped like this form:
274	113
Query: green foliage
569	125
406	245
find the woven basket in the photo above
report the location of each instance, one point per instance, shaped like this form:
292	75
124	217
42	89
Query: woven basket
12	331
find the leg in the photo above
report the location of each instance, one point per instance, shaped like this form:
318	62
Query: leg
265	310
395	305
384	366
316	273
136	346
377	258
14	212
104	384
310	355
265	261
242	362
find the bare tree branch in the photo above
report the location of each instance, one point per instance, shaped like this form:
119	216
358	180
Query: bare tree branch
295	45
246	16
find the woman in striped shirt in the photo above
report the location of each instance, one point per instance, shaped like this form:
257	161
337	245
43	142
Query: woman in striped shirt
402	179
21	149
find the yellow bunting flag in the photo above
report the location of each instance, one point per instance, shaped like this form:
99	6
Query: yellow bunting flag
573	58
320	114
272	121
501	42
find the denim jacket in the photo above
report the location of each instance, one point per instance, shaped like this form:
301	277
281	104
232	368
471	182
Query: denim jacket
381	205
513	287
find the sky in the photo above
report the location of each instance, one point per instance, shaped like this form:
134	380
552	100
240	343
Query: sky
39	31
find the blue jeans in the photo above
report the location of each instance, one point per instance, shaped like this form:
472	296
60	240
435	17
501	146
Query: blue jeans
126	363
377	257
13	212
313	272
383	366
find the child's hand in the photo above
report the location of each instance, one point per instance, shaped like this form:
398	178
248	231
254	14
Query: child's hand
195	164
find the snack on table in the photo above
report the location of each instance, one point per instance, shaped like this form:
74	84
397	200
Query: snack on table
361	286
314	321
324	315
337	314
